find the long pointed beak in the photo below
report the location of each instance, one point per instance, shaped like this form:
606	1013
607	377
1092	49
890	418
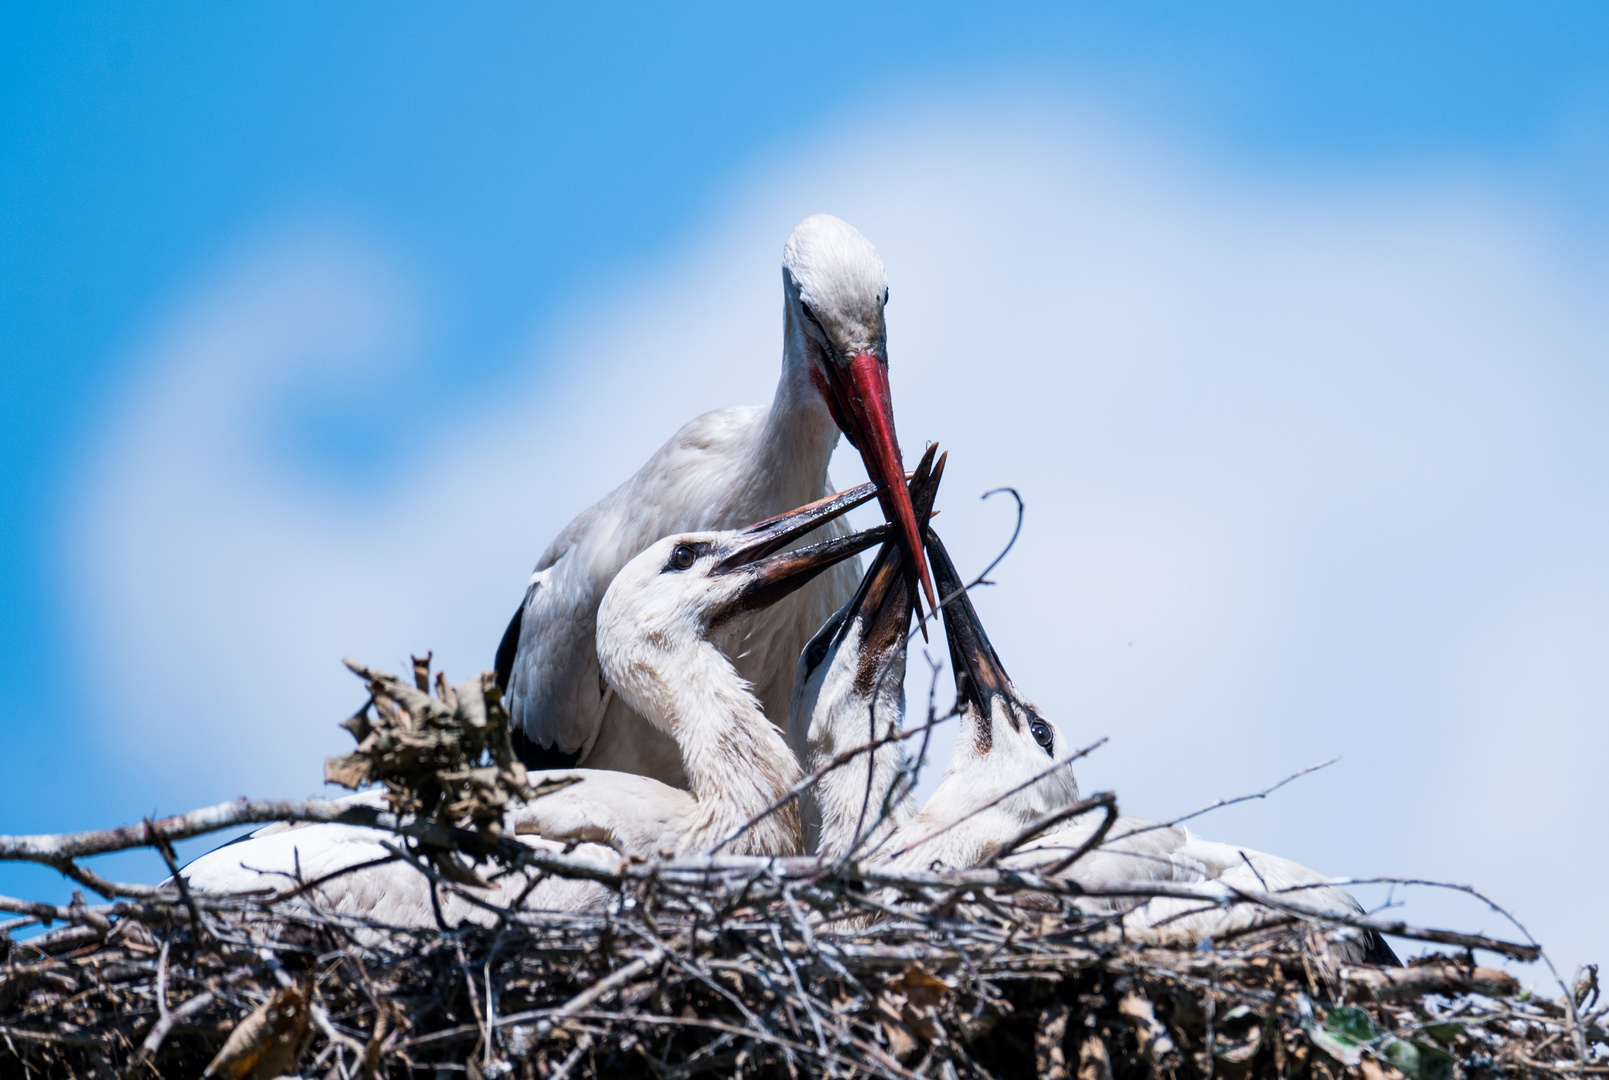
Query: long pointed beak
770	573
887	594
773	534
979	675
867	415
773	577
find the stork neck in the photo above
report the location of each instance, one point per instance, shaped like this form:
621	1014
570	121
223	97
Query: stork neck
851	798
737	763
800	433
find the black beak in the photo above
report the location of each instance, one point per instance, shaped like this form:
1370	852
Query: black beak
980	678
771	574
887	594
773	534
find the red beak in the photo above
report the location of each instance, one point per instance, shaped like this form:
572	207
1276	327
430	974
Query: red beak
861	404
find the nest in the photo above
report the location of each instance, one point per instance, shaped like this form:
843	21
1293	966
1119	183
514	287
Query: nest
727	966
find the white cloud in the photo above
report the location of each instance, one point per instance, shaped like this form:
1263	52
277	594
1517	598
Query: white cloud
1310	470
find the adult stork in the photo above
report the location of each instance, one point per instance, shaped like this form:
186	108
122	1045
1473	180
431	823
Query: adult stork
655	623
1010	770
721	470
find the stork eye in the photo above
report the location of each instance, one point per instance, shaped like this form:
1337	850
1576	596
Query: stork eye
1043	734
681	557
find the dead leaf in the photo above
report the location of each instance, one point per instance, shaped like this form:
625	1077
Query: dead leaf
902	1041
455	871
920	988
267	1043
351	771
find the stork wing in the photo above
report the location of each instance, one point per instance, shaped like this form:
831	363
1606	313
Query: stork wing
548	662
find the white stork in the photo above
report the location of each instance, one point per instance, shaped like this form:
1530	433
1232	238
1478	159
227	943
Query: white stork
1002	779
721	470
654	628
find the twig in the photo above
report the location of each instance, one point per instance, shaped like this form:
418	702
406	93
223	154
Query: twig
998	799
1221	803
1104	800
983	578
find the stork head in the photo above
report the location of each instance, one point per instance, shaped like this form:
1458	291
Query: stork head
656	618
1003	741
836	291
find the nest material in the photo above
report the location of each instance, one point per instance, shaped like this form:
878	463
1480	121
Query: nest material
741	967
681	981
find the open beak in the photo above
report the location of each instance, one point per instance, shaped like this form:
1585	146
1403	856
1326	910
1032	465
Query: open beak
776	576
864	411
770	573
979	675
775	533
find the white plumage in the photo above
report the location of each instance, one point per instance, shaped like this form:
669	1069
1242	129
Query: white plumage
280	858
654	628
720	471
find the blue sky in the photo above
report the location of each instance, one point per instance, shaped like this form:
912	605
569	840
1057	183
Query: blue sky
491	180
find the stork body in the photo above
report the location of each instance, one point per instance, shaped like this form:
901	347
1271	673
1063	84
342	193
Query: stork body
1140	850
655	626
722	470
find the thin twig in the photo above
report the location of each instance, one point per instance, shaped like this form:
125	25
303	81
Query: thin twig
983	578
1221	803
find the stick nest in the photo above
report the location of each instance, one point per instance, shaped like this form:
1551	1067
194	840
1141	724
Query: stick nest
731	967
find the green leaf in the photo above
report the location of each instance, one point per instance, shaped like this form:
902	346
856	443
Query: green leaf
1339	1047
1418	1059
1404	1055
1351	1023
1445	1033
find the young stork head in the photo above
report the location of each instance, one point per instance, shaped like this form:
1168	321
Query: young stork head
656	618
1009	767
849	691
835	292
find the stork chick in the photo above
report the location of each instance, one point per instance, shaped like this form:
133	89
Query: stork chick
1011	768
654	644
849	693
653	638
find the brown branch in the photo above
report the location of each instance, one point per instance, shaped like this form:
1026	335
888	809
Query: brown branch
1443	977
